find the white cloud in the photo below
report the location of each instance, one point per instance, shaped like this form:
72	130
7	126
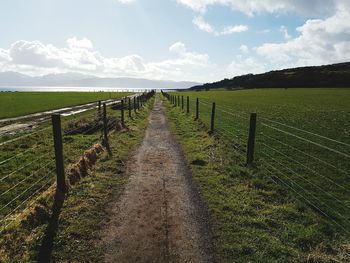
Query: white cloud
185	57
35	58
233	29
79	43
244	49
35	53
284	30
244	65
228	30
178	47
251	7
321	41
202	25
125	1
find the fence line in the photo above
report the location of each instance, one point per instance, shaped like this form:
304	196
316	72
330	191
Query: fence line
302	152
307	140
32	177
24	136
307	200
300	176
308	132
299	156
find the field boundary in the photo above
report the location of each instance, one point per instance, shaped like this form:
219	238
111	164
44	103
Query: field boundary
287	155
24	181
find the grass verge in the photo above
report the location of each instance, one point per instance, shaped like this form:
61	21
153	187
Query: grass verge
255	219
75	236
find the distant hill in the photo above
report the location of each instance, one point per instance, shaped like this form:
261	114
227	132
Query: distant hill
12	79
335	75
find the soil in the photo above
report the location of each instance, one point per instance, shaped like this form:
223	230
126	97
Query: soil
160	216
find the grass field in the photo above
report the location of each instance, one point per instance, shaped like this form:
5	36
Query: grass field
14	104
79	230
324	111
261	214
27	161
254	219
302	141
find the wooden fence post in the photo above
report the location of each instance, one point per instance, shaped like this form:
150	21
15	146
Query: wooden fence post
105	130
99	108
178	100
182	102
57	136
122	113
134	104
188	104
197	109
212	121
129	107
251	140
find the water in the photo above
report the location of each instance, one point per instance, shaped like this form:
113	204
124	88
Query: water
65	89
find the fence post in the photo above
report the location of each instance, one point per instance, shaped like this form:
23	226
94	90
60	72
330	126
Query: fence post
122	112
134	104
105	131
188	104
99	108
57	136
178	100
251	139
129	107
212	121
197	109
182	102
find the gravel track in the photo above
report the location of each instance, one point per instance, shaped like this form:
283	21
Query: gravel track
160	216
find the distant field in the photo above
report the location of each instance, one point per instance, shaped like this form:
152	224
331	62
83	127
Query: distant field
14	104
302	140
326	111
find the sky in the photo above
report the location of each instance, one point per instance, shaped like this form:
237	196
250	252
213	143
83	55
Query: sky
192	40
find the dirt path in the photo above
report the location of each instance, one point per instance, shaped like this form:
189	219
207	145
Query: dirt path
159	217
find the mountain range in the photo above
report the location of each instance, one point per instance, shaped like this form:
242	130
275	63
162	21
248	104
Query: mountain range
14	79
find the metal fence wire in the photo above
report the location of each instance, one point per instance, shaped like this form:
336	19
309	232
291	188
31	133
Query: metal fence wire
29	162
315	168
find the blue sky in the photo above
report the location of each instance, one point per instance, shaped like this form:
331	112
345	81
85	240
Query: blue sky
198	40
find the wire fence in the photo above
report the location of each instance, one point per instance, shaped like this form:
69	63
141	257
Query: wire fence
28	163
315	168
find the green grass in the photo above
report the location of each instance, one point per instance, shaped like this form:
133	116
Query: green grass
324	111
82	218
312	168
27	165
14	104
254	219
